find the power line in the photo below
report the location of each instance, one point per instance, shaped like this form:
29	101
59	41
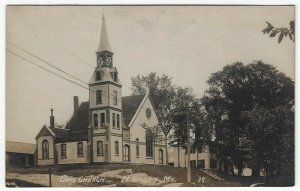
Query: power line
29	61
42	60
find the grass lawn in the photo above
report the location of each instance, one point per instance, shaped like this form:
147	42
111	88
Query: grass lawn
199	179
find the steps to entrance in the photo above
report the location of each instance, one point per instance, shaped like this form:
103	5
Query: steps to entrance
211	174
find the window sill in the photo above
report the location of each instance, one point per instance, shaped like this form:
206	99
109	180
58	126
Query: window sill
149	157
80	156
100	155
63	157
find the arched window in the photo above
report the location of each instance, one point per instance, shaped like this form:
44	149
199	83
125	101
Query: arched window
95	120
102	120
98	96
80	149
160	156
137	147
45	149
116	148
149	144
100	148
118	121
126	153
114	120
98	75
63	149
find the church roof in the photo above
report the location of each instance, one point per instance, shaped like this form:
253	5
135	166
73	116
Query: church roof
77	128
104	43
130	104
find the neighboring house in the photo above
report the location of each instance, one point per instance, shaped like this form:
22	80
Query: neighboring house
108	128
20	154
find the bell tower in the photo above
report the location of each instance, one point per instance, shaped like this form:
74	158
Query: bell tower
105	105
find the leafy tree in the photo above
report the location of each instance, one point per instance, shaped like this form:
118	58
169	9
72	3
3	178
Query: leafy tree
239	88
162	93
283	32
271	134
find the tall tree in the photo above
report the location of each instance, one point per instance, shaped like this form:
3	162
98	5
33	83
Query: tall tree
162	93
238	88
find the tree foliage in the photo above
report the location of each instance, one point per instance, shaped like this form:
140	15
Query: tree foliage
283	32
239	89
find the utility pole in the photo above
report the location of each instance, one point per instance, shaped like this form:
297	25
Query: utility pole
189	175
50	182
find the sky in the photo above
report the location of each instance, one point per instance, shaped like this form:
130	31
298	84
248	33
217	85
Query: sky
188	43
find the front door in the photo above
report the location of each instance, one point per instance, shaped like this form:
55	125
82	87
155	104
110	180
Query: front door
126	153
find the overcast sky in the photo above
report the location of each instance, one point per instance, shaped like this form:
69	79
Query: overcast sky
186	43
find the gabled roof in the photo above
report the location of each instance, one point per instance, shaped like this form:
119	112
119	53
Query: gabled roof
130	104
77	128
17	147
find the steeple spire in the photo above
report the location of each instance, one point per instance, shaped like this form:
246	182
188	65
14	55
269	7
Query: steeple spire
104	44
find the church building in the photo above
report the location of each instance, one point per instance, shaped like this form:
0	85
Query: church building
108	128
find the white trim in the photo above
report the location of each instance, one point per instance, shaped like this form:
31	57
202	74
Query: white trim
138	110
47	129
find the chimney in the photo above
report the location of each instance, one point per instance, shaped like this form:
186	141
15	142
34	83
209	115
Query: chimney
76	103
52	119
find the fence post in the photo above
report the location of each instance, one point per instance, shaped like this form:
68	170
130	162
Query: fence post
50	182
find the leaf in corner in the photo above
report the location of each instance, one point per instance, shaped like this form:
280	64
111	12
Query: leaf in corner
280	37
273	33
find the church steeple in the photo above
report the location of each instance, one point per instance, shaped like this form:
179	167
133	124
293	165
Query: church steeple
104	53
104	43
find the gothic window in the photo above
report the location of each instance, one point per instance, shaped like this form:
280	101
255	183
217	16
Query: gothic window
126	153
137	147
63	149
102	120
98	96
118	121
80	149
45	149
95	120
100	148
115	97
114	120
116	148
160	156
149	144
98	75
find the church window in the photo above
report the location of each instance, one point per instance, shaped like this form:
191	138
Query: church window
63	149
160	156
115	76
95	120
118	121
102	120
115	97
98	97
114	120
116	148
137	147
149	144
80	149
100	148
45	149
98	75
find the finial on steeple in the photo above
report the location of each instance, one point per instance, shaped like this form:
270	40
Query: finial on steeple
51	111
104	43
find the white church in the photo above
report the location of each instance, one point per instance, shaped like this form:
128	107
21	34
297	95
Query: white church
108	128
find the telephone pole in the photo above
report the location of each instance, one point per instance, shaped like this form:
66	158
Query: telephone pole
189	175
